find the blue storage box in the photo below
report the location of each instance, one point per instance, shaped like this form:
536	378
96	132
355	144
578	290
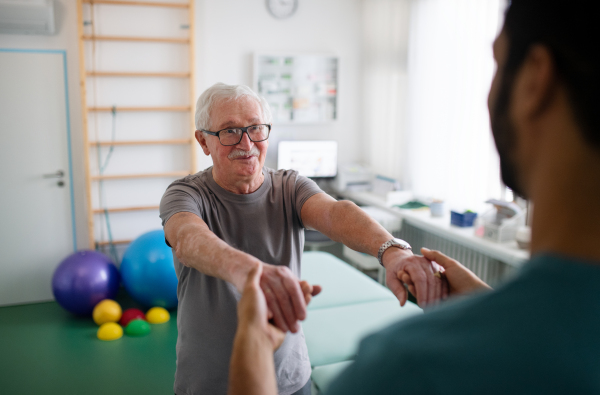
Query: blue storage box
462	220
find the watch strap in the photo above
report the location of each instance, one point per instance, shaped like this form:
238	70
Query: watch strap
398	243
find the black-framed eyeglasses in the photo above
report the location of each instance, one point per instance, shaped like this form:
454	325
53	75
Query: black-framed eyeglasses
232	136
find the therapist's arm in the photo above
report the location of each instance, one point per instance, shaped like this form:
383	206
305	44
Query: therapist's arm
252	371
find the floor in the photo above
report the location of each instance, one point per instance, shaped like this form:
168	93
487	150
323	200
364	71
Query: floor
46	350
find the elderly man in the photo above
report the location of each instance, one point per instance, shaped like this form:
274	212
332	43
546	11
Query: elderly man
538	333
225	221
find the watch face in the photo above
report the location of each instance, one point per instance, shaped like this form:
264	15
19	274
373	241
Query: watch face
282	8
402	243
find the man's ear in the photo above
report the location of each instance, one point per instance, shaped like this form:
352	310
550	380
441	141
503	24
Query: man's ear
202	141
535	83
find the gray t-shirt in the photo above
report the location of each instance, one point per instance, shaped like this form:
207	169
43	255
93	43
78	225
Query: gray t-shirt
265	224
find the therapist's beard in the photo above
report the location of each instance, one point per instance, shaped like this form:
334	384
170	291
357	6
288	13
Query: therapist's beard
504	133
239	153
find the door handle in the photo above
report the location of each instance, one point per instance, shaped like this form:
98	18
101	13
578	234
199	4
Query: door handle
58	174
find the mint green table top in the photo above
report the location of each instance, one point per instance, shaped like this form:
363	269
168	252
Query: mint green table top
342	284
333	334
322	376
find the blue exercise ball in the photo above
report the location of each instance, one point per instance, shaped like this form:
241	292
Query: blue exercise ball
148	273
83	279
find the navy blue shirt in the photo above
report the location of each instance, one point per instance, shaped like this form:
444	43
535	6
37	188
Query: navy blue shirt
538	333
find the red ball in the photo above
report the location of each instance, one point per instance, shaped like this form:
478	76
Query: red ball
130	315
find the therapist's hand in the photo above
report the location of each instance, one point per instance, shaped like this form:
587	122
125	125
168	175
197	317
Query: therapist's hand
427	288
252	369
253	313
460	279
286	296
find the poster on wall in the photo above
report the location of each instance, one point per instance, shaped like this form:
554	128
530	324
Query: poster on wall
299	88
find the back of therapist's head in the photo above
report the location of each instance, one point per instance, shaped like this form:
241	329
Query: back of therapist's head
570	29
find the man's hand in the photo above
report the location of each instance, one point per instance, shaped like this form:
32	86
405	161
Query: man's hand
460	279
286	296
427	288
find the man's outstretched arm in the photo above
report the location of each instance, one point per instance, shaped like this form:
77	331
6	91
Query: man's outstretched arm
346	223
196	246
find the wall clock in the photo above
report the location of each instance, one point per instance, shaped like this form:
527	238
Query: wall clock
282	9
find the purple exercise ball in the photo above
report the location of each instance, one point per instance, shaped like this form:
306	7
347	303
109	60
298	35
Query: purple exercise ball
83	279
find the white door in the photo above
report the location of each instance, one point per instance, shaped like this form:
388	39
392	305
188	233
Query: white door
35	182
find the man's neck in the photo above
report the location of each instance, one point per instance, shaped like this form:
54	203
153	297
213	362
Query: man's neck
240	185
566	217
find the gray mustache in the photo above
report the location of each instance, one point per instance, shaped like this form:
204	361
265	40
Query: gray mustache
237	153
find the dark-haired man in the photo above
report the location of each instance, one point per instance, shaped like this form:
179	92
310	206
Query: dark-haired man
538	333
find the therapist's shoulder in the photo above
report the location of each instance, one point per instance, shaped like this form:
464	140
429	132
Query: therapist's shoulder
404	356
465	346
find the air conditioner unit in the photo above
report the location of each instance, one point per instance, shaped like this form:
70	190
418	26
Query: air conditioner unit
27	17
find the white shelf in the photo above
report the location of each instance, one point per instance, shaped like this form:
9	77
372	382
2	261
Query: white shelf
508	253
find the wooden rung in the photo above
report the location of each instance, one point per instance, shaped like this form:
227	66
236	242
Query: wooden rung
140	142
118	109
135	74
105	243
172	174
126	209
140	3
146	39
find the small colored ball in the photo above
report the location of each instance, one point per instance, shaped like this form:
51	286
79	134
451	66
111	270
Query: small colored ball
137	328
106	311
130	315
110	331
157	315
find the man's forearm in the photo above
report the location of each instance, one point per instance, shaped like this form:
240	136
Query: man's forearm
252	371
351	226
198	247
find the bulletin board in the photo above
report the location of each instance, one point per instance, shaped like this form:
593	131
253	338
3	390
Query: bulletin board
298	88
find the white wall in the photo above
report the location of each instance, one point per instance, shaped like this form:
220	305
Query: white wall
64	39
228	32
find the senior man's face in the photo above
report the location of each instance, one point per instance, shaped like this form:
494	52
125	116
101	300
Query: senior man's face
245	159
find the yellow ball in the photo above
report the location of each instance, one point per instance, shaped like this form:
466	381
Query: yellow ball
110	331
107	311
157	315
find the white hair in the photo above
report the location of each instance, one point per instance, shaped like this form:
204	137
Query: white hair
221	91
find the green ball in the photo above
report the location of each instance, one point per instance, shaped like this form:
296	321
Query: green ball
137	328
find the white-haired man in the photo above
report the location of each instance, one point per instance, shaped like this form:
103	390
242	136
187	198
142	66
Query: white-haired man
229	219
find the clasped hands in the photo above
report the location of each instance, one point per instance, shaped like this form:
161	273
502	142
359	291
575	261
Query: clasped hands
287	298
